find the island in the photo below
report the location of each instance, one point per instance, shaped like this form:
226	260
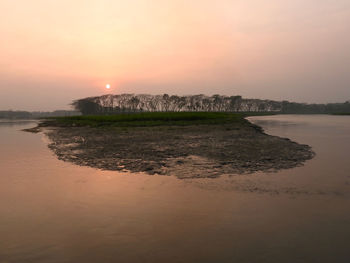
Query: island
181	144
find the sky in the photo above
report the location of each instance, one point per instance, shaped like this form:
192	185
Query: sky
55	51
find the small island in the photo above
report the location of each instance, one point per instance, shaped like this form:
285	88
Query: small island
182	144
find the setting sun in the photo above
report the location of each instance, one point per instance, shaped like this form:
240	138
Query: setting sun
108	86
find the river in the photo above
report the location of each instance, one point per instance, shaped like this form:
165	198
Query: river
54	211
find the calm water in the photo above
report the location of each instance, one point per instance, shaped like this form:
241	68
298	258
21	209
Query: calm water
51	211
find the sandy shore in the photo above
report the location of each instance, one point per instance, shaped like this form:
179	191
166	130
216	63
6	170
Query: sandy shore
196	151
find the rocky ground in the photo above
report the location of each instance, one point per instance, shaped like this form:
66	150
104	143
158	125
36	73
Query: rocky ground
195	151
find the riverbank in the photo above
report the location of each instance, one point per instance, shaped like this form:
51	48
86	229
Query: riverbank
186	145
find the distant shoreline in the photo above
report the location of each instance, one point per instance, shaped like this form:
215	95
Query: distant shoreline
182	145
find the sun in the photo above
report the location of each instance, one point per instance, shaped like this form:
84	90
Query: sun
108	86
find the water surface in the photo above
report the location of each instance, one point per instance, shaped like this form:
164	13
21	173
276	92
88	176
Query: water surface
52	211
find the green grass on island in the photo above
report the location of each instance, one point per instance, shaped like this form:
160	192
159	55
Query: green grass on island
152	119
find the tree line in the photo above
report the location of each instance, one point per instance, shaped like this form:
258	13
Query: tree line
305	108
127	103
25	115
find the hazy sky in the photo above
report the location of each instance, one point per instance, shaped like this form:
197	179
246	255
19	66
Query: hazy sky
54	51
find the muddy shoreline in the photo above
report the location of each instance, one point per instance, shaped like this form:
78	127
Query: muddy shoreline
195	151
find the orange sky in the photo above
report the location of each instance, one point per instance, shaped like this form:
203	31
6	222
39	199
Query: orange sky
54	51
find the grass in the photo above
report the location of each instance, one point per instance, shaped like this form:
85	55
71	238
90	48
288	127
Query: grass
341	113
150	119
